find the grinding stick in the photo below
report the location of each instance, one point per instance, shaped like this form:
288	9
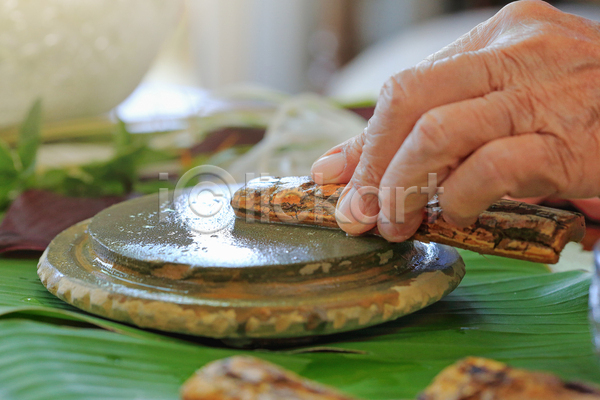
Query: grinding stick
508	228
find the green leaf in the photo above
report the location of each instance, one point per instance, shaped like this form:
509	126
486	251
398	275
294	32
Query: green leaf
29	138
7	160
42	361
22	279
153	186
115	177
513	311
9	176
122	138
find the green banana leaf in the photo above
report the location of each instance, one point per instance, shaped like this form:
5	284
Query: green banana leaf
512	311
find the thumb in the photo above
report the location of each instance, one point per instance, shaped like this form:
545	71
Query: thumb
338	164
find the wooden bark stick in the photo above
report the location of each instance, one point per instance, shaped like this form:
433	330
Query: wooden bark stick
508	228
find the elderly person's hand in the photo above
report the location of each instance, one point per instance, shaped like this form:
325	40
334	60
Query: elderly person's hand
511	108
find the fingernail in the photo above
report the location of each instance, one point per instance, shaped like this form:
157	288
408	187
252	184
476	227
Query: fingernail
345	214
458	222
392	232
386	228
328	167
448	220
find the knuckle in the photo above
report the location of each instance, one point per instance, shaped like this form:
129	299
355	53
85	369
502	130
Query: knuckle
524	109
495	165
481	116
560	164
490	61
524	9
392	91
367	174
431	136
400	86
519	63
354	146
387	90
520	109
391	97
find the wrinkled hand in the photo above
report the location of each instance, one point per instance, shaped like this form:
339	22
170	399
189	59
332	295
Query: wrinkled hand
511	108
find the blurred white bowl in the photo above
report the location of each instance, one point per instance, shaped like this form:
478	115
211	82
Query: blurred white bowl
82	57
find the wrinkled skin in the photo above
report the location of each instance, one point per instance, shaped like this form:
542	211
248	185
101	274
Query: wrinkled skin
510	109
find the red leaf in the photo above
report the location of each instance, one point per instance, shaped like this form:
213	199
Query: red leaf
36	217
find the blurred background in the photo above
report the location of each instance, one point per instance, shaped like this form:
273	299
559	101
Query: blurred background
312	45
261	86
84	57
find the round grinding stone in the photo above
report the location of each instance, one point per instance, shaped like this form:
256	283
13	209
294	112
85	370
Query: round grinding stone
189	266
